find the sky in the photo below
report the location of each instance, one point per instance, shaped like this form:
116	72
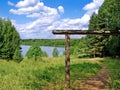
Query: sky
35	19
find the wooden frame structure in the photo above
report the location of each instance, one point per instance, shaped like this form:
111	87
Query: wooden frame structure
67	34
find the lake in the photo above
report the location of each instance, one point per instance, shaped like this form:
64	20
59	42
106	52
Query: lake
47	49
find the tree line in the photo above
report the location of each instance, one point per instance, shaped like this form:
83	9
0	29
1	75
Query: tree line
107	18
48	42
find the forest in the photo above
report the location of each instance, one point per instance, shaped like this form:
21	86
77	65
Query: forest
48	42
107	18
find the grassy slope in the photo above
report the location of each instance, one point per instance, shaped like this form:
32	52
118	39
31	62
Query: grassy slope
29	75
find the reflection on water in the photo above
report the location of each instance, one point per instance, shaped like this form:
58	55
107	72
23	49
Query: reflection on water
47	49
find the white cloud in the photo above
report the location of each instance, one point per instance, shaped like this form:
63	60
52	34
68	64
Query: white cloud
61	9
85	19
78	23
93	6
10	3
46	18
28	10
39	11
26	3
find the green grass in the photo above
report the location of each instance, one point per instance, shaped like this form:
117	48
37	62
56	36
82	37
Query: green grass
113	66
43	74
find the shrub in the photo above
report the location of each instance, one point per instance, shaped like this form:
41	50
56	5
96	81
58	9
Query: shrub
55	52
17	55
34	52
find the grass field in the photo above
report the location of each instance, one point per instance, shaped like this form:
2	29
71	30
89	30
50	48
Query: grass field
44	74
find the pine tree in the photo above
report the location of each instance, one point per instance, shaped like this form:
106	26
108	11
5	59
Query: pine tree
95	45
9	39
107	19
93	23
110	12
114	41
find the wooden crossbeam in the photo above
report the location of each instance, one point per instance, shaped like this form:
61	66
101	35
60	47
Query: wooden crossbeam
84	32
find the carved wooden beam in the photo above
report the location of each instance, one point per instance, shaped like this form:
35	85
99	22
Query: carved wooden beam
84	32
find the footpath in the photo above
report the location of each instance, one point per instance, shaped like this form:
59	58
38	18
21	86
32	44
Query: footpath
97	82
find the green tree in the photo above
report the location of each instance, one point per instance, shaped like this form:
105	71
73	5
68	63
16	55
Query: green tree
9	39
110	12
82	49
93	23
34	52
107	19
55	52
95	43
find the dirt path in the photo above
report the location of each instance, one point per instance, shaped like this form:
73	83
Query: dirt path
98	82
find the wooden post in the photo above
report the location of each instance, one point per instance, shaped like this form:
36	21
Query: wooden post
67	62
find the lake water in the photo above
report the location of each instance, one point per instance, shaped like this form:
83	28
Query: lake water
47	49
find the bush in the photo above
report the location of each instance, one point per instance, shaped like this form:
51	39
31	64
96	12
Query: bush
34	52
55	52
17	56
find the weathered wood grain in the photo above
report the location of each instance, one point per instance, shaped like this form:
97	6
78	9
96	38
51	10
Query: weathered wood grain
84	32
67	61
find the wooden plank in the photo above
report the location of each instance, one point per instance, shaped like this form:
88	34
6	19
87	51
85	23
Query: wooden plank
67	62
84	32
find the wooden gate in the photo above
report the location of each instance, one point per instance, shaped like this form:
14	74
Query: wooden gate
67	34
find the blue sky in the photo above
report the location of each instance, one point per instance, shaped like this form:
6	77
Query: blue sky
37	18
